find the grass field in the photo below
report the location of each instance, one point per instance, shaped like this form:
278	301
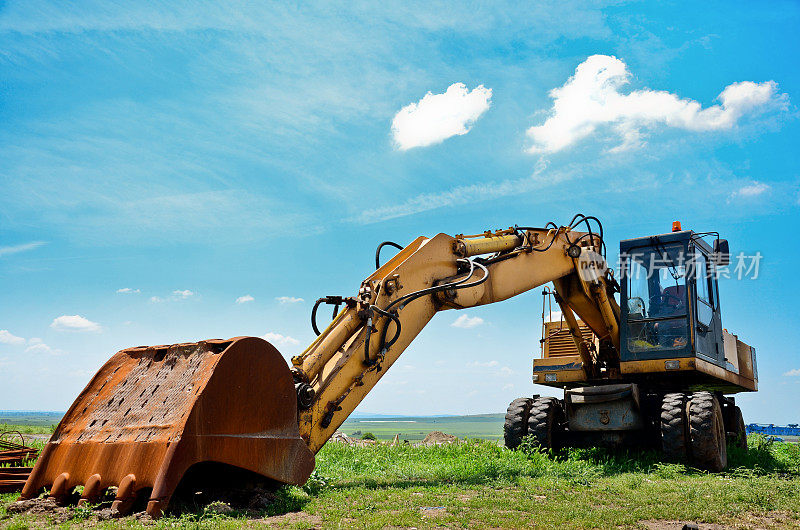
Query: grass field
479	484
414	429
24	419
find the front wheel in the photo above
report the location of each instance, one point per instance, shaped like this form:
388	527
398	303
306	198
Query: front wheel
516	425
546	422
707	432
674	428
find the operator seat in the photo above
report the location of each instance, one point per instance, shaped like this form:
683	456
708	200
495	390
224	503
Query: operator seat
672	333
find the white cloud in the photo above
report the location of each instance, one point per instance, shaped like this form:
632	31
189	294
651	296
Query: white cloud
289	300
277	338
750	190
465	321
41	347
5	251
553	316
128	290
466	194
477	364
74	323
508	386
437	117
793	373
183	294
156	299
244	299
591	99
7	337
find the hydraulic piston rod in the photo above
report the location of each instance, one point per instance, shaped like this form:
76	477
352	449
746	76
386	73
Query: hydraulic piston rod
465	248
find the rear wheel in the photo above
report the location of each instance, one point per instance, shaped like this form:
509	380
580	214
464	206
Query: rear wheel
516	425
735	429
545	422
707	432
674	429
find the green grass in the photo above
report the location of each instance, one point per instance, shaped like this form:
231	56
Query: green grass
27	429
479	484
413	429
31	419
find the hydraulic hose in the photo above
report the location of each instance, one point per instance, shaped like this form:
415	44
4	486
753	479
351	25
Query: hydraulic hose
404	300
378	251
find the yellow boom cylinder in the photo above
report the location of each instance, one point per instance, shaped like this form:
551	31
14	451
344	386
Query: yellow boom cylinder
333	338
484	245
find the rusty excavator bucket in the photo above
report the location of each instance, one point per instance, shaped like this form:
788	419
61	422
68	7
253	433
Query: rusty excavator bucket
152	413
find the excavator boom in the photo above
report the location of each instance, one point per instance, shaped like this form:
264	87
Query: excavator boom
152	414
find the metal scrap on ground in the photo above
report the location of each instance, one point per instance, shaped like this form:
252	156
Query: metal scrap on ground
12	455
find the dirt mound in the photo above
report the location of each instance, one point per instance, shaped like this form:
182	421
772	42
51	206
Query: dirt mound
341	437
47	507
438	437
250	501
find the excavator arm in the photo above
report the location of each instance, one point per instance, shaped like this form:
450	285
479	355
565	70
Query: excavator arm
155	417
336	372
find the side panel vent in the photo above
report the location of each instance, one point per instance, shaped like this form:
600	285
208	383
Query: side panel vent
558	341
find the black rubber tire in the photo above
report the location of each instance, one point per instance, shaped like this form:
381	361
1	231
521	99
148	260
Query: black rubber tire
674	427
545	422
516	425
707	432
736	430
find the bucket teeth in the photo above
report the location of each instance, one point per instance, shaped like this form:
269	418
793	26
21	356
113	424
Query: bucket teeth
126	496
60	489
91	490
151	413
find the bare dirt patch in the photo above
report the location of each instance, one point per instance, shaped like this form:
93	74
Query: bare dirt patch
438	437
777	519
293	518
680	525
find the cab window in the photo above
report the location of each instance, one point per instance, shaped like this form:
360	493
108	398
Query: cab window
705	301
657	298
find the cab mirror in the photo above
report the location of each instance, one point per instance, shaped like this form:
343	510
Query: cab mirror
722	254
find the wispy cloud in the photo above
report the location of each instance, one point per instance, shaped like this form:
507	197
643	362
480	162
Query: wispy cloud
592	99
468	194
128	290
15	249
37	346
177	295
289	300
244	299
465	321
7	337
74	323
793	373
437	117
749	191
277	338
478	364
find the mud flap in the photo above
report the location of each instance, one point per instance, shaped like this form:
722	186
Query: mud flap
151	413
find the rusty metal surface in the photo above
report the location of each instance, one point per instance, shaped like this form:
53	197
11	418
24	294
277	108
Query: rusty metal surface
13	478
12	456
13	453
151	413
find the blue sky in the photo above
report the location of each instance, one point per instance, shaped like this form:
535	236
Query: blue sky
202	152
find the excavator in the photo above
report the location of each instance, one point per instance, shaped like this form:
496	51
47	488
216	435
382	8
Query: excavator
655	366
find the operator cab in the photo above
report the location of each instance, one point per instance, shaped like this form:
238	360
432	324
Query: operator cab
670	303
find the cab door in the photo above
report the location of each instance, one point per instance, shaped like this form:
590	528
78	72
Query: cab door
707	322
